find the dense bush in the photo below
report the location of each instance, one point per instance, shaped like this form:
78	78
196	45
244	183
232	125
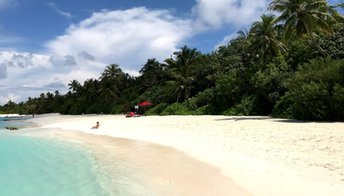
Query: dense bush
270	84
157	109
160	93
283	108
337	104
176	109
245	107
201	99
333	45
204	110
300	52
316	92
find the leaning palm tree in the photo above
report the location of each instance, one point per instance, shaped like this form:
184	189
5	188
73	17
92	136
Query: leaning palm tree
303	17
264	37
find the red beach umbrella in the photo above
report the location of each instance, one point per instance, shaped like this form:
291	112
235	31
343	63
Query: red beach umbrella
145	103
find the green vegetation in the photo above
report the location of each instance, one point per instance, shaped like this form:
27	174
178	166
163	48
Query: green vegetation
287	66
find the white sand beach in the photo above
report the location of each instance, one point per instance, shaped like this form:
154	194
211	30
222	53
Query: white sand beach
236	155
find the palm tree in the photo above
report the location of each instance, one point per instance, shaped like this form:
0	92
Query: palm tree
264	35
112	71
339	17
108	91
110	82
152	73
243	34
57	94
92	89
74	86
303	17
180	68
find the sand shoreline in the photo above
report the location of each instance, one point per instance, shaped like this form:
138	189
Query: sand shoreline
162	170
262	155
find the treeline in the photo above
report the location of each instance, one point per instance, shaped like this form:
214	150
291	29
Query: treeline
288	66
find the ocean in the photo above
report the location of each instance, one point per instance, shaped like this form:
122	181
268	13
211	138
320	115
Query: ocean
31	165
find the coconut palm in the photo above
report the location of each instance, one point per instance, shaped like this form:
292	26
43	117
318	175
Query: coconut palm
110	82
243	34
303	17
181	67
74	86
152	73
264	35
112	71
339	17
91	87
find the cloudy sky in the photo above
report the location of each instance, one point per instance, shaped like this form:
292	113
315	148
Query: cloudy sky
45	44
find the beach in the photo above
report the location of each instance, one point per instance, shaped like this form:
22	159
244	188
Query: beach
216	155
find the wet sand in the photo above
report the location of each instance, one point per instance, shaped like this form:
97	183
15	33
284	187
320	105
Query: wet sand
163	170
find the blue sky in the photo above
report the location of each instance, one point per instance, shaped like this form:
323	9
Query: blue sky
45	44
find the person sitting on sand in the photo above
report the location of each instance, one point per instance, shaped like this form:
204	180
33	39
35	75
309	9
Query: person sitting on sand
96	126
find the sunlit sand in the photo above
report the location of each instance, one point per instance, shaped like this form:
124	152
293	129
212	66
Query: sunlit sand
217	155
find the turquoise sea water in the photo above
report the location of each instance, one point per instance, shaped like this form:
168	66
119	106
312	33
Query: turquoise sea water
2	123
47	166
37	166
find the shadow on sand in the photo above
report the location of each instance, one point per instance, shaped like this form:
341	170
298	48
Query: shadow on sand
236	118
240	118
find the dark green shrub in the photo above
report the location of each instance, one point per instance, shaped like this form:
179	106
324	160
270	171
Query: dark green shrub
157	109
333	45
316	92
337	104
311	102
176	109
201	99
117	109
204	110
245	107
191	103
283	108
93	109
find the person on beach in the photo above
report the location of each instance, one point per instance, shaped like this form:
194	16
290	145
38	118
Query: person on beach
96	126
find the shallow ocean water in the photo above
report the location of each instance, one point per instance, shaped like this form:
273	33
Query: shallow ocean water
31	165
36	166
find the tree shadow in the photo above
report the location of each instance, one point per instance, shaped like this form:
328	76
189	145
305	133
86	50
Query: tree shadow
237	118
240	118
302	121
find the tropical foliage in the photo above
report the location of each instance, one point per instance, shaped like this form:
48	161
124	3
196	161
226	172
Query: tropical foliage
290	65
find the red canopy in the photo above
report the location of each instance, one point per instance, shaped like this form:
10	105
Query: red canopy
145	103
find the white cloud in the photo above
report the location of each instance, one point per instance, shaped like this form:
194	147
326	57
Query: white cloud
126	37
8	97
238	13
28	75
